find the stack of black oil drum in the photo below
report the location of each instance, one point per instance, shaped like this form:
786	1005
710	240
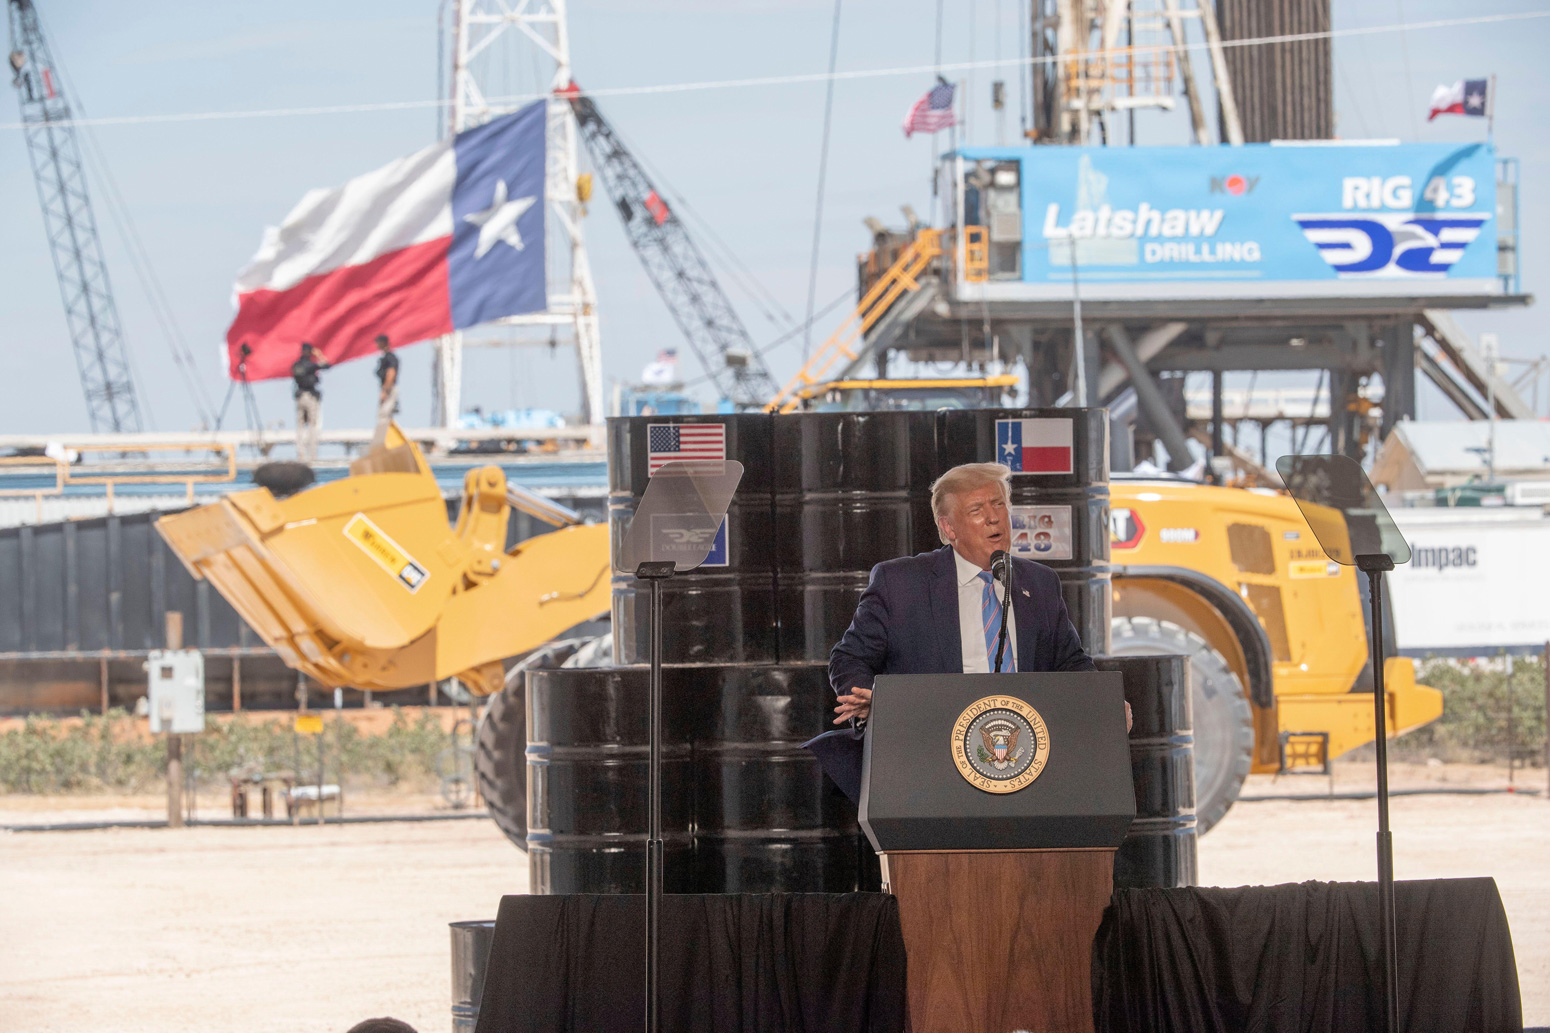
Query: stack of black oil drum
824	497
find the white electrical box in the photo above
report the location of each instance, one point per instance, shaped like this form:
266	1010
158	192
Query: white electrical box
176	690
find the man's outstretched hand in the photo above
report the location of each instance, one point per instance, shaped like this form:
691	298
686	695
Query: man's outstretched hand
857	705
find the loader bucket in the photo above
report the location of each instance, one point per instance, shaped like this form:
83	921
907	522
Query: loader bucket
363	581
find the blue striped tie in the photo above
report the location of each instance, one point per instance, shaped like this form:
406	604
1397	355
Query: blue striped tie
990	616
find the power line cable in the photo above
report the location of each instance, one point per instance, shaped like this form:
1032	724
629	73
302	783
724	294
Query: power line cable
937	63
789	335
499	104
739	273
150	282
1345	77
823	169
1404	51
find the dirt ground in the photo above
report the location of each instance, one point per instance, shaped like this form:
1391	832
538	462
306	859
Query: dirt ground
1503	836
308	928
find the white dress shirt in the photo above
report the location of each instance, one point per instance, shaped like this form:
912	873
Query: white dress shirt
971	628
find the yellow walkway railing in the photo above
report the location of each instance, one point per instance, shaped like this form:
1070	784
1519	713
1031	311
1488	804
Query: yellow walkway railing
900	277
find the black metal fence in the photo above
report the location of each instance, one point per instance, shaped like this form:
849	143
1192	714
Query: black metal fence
83	601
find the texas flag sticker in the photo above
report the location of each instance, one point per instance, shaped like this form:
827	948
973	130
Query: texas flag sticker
1034	446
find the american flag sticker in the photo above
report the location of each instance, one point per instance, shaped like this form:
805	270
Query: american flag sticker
1034	446
684	443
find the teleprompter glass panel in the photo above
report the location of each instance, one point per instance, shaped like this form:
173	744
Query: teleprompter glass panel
679	514
1342	508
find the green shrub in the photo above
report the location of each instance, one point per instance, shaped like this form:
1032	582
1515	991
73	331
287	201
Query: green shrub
102	752
105	753
1473	725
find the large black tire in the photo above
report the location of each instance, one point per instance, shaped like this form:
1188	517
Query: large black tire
500	753
1223	721
500	760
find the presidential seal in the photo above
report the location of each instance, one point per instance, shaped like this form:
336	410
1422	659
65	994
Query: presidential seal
1000	744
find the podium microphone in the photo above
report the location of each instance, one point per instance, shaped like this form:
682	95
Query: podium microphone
1002	573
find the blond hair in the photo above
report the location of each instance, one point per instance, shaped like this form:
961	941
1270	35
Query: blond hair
961	480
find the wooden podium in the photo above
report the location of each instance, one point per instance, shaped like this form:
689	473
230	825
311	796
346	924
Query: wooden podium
997	802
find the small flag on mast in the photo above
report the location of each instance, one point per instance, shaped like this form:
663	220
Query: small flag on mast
1465	97
932	112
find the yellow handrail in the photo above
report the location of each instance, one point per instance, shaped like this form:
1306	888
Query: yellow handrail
976	254
220	477
900	277
65	475
61	474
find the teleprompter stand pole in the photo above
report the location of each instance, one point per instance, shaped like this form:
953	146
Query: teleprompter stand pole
1374	566
654	572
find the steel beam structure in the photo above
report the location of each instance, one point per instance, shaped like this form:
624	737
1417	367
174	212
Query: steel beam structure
490	36
1472	366
676	266
90	313
1081	72
1150	400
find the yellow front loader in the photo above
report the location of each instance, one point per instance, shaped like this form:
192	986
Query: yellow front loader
363	581
1279	670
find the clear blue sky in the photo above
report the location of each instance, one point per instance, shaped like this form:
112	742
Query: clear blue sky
746	158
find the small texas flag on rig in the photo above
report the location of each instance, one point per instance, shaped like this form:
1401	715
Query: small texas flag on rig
449	237
1034	446
1465	97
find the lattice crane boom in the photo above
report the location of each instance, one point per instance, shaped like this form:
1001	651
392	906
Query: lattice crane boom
675	265
90	313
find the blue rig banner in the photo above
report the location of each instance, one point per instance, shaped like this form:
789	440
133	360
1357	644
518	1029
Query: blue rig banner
1257	221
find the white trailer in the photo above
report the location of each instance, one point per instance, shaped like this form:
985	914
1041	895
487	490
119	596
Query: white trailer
1478	581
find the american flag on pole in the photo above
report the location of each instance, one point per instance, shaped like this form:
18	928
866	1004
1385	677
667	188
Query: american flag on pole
684	443
932	112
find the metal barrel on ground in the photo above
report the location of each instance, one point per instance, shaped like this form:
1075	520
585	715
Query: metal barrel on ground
766	818
470	952
1160	847
1060	489
851	490
586	775
723	612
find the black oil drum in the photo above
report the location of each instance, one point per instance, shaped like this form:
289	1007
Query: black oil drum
766	818
1160	849
587	757
470	951
851	490
1060	495
723	612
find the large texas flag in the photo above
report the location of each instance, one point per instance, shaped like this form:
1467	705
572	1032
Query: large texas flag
449	237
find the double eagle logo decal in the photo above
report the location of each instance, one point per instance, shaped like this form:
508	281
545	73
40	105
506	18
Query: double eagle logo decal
1391	244
1395	243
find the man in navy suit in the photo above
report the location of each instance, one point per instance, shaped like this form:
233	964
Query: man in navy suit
940	612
